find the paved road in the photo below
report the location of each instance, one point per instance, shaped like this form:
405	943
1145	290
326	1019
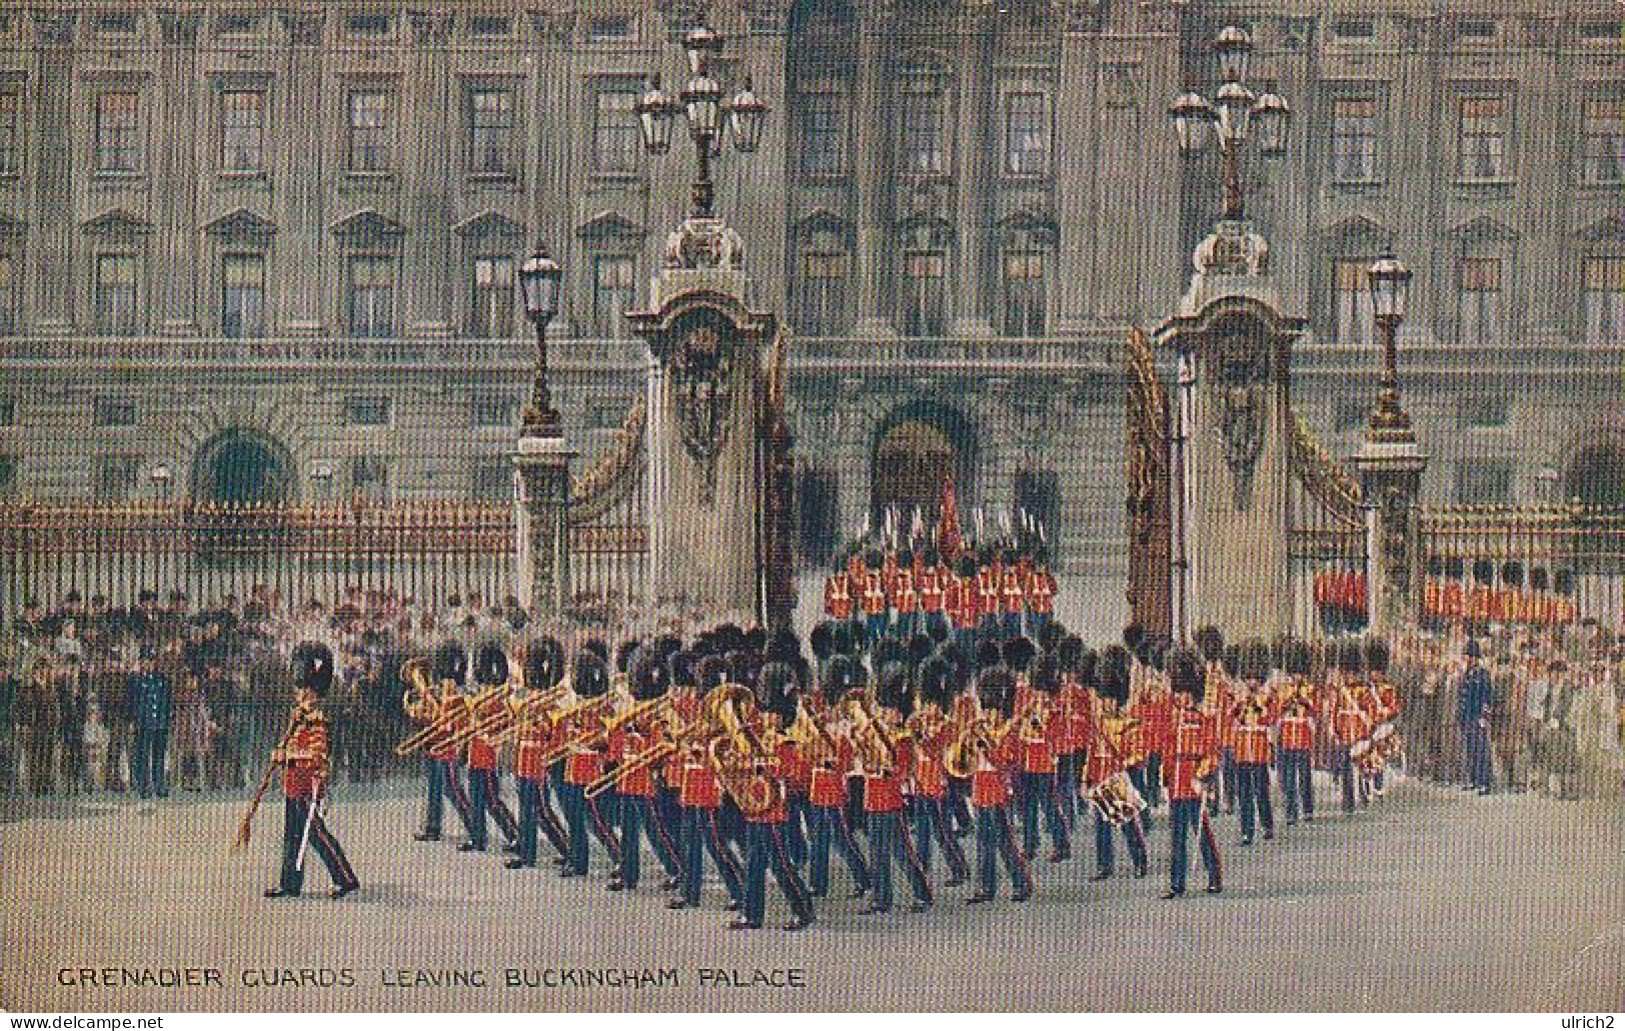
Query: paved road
1431	900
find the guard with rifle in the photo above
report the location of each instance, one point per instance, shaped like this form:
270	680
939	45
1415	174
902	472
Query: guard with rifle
304	760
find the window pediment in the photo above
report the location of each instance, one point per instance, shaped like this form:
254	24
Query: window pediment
367	224
1483	231
609	226
241	224
117	222
490	225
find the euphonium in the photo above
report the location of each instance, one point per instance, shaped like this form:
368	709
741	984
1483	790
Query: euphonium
417	701
737	753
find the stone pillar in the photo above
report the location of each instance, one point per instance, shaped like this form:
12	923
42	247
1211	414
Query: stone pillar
426	170
1391	481
302	241
871	176
757	180
50	229
973	177
175	165
1074	144
542	469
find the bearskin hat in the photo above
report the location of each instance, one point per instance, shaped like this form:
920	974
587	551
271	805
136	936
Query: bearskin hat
1255	659
490	665
598	647
712	672
935	673
1187	675
919	648
1350	657
1069	653
1210	642
451	663
1050	635
776	691
1019	653
684	669
783	646
996	688
1231	659
591	674
822	641
1133	634
1112	674
1046	676
1295	657
623	654
544	663
313	668
988	655
649	675
893	689
1376	655
889	650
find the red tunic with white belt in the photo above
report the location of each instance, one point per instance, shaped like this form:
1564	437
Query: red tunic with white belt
304	768
1195	751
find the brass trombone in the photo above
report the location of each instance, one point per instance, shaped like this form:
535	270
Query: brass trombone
589	707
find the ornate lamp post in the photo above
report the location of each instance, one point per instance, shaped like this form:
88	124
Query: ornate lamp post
1390	282
704	108
322	475
161	478
539	279
1231	116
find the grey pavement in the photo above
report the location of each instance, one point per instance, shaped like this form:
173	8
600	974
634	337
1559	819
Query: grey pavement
1433	899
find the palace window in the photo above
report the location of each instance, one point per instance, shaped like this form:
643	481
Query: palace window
369	131
823	132
115	293
242	131
8	475
117	26
492	412
1351	301
372	295
369	478
113	412
113	477
366	410
1026	134
818	499
1024	293
237	24
612	295
925	294
489	27
8	293
1482	142
1354	139
1605	300
1484	482
242	295
611	29
117	132
493	481
367	26
1603	143
924	152
821	305
616	138
1479	301
490	132
10	117
491	313
8	412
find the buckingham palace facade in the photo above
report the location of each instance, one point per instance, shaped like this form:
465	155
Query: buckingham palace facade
266	251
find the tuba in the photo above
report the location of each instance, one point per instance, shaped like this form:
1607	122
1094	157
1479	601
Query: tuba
737	754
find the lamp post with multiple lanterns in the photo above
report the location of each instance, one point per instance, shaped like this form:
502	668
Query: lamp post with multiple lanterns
1231	117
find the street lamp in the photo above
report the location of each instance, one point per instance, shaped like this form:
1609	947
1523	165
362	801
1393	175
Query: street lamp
1232	114
322	474
161	477
539	279
1390	284
708	114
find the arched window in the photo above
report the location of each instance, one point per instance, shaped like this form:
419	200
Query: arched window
822	276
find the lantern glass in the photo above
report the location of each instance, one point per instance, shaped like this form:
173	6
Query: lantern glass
1236	101
539	279
1233	48
1390	282
1193	123
655	111
1273	117
701	44
746	114
702	102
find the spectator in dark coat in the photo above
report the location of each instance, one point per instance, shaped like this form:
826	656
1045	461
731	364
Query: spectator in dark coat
149	702
1473	715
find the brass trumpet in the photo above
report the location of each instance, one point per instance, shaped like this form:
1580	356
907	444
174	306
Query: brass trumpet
525	712
589	707
488	714
448	713
860	707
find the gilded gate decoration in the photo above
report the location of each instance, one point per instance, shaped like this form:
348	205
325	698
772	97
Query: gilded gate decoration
1150	554
1326	543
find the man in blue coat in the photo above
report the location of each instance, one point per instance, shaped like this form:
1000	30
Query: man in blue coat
1473	713
149	702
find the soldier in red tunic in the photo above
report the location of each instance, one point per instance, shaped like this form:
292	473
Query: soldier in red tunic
1193	762
304	758
1296	734
700	798
544	667
932	583
838	595
931	729
1108	760
885	759
1351	726
583	764
962	601
484	785
990	790
766	848
450	670
631	745
826	788
1252	715
1036	686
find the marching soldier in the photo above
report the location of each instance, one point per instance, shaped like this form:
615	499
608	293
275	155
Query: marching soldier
766	849
544	668
1296	729
304	762
990	790
450	669
1108	762
826	790
884	758
635	778
932	587
1251	723
700	798
1035	734
484	782
930	728
1350	724
1194	761
1211	648
838	595
584	762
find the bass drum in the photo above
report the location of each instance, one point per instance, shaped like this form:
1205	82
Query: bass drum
1116	800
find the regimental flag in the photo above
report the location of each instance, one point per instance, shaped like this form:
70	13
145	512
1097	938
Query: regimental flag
950	542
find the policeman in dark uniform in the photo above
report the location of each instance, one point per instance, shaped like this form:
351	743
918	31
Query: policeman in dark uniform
304	759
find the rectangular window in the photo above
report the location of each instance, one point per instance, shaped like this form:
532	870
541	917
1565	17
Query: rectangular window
923	149
116	25
113	412
113	477
616	139
1354	140
1484	411
1484	482
366	410
372	296
490	131
10	119
242	295
367	26
823	133
823	292
493	412
369	132
1479	301
1354	30
115	293
1024	296
1605	301
489	27
8	412
242	131
237	24
612	296
491	315
1483	138
369	478
1603	142
8	294
1026	134
925	294
1351	301
493	481
610	30
818	498
1602	32
1038	497
117	132
8	475
1349	413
